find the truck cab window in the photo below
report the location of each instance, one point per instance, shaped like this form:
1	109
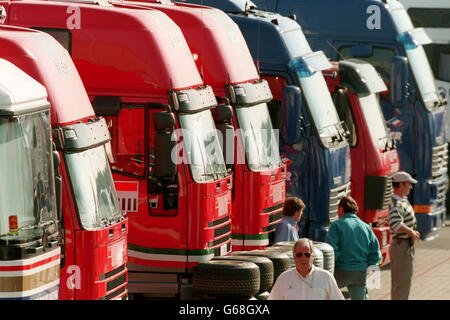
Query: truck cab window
439	58
340	99
380	59
127	131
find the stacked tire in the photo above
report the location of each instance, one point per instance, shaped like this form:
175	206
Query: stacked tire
226	279
328	255
265	266
284	250
281	261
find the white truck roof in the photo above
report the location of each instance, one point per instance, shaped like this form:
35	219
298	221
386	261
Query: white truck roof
19	93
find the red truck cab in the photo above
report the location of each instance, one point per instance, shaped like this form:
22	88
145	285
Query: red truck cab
166	159
95	231
355	87
225	63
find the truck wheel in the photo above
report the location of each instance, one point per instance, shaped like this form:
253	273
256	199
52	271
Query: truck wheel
226	279
265	266
328	255
281	262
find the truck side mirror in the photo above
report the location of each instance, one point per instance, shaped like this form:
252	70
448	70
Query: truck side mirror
164	123
222	115
106	105
399	81
362	51
293	121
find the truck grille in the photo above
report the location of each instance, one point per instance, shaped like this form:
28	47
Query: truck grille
441	195
335	196
270	228
388	193
217	222
116	282
222	230
112	273
275	216
113	283
113	294
439	160
223	227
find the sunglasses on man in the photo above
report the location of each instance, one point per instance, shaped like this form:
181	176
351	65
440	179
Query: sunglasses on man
299	254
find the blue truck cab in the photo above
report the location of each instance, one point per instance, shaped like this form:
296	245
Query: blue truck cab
382	33
311	135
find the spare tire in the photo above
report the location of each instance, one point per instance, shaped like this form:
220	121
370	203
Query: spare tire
328	255
281	261
264	264
225	279
284	250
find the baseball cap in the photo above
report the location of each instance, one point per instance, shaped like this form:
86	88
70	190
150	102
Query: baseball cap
403	176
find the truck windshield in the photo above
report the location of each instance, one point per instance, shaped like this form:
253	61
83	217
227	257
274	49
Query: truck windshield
93	188
423	75
27	182
259	138
320	104
296	42
374	119
201	143
412	40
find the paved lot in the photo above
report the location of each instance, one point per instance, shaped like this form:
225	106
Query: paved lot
431	279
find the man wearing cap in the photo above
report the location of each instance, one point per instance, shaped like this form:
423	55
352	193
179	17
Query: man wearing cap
402	222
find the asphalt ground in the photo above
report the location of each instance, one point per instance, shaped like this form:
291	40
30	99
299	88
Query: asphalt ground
431	271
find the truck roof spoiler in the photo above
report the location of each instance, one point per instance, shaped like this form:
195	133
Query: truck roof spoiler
98	2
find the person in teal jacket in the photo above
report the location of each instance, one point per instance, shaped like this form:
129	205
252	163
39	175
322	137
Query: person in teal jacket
355	249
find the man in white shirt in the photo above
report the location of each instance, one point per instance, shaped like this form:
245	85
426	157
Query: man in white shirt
305	281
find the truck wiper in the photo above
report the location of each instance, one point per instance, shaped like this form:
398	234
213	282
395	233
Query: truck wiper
94	196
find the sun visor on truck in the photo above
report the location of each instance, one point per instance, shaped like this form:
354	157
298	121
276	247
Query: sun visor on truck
249	94
360	77
234	6
310	63
192	100
81	136
107	105
413	38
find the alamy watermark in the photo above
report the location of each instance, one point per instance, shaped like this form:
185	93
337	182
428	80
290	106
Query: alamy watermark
255	146
374	20
74	278
74	19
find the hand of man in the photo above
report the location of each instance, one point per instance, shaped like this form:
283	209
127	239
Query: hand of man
415	235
